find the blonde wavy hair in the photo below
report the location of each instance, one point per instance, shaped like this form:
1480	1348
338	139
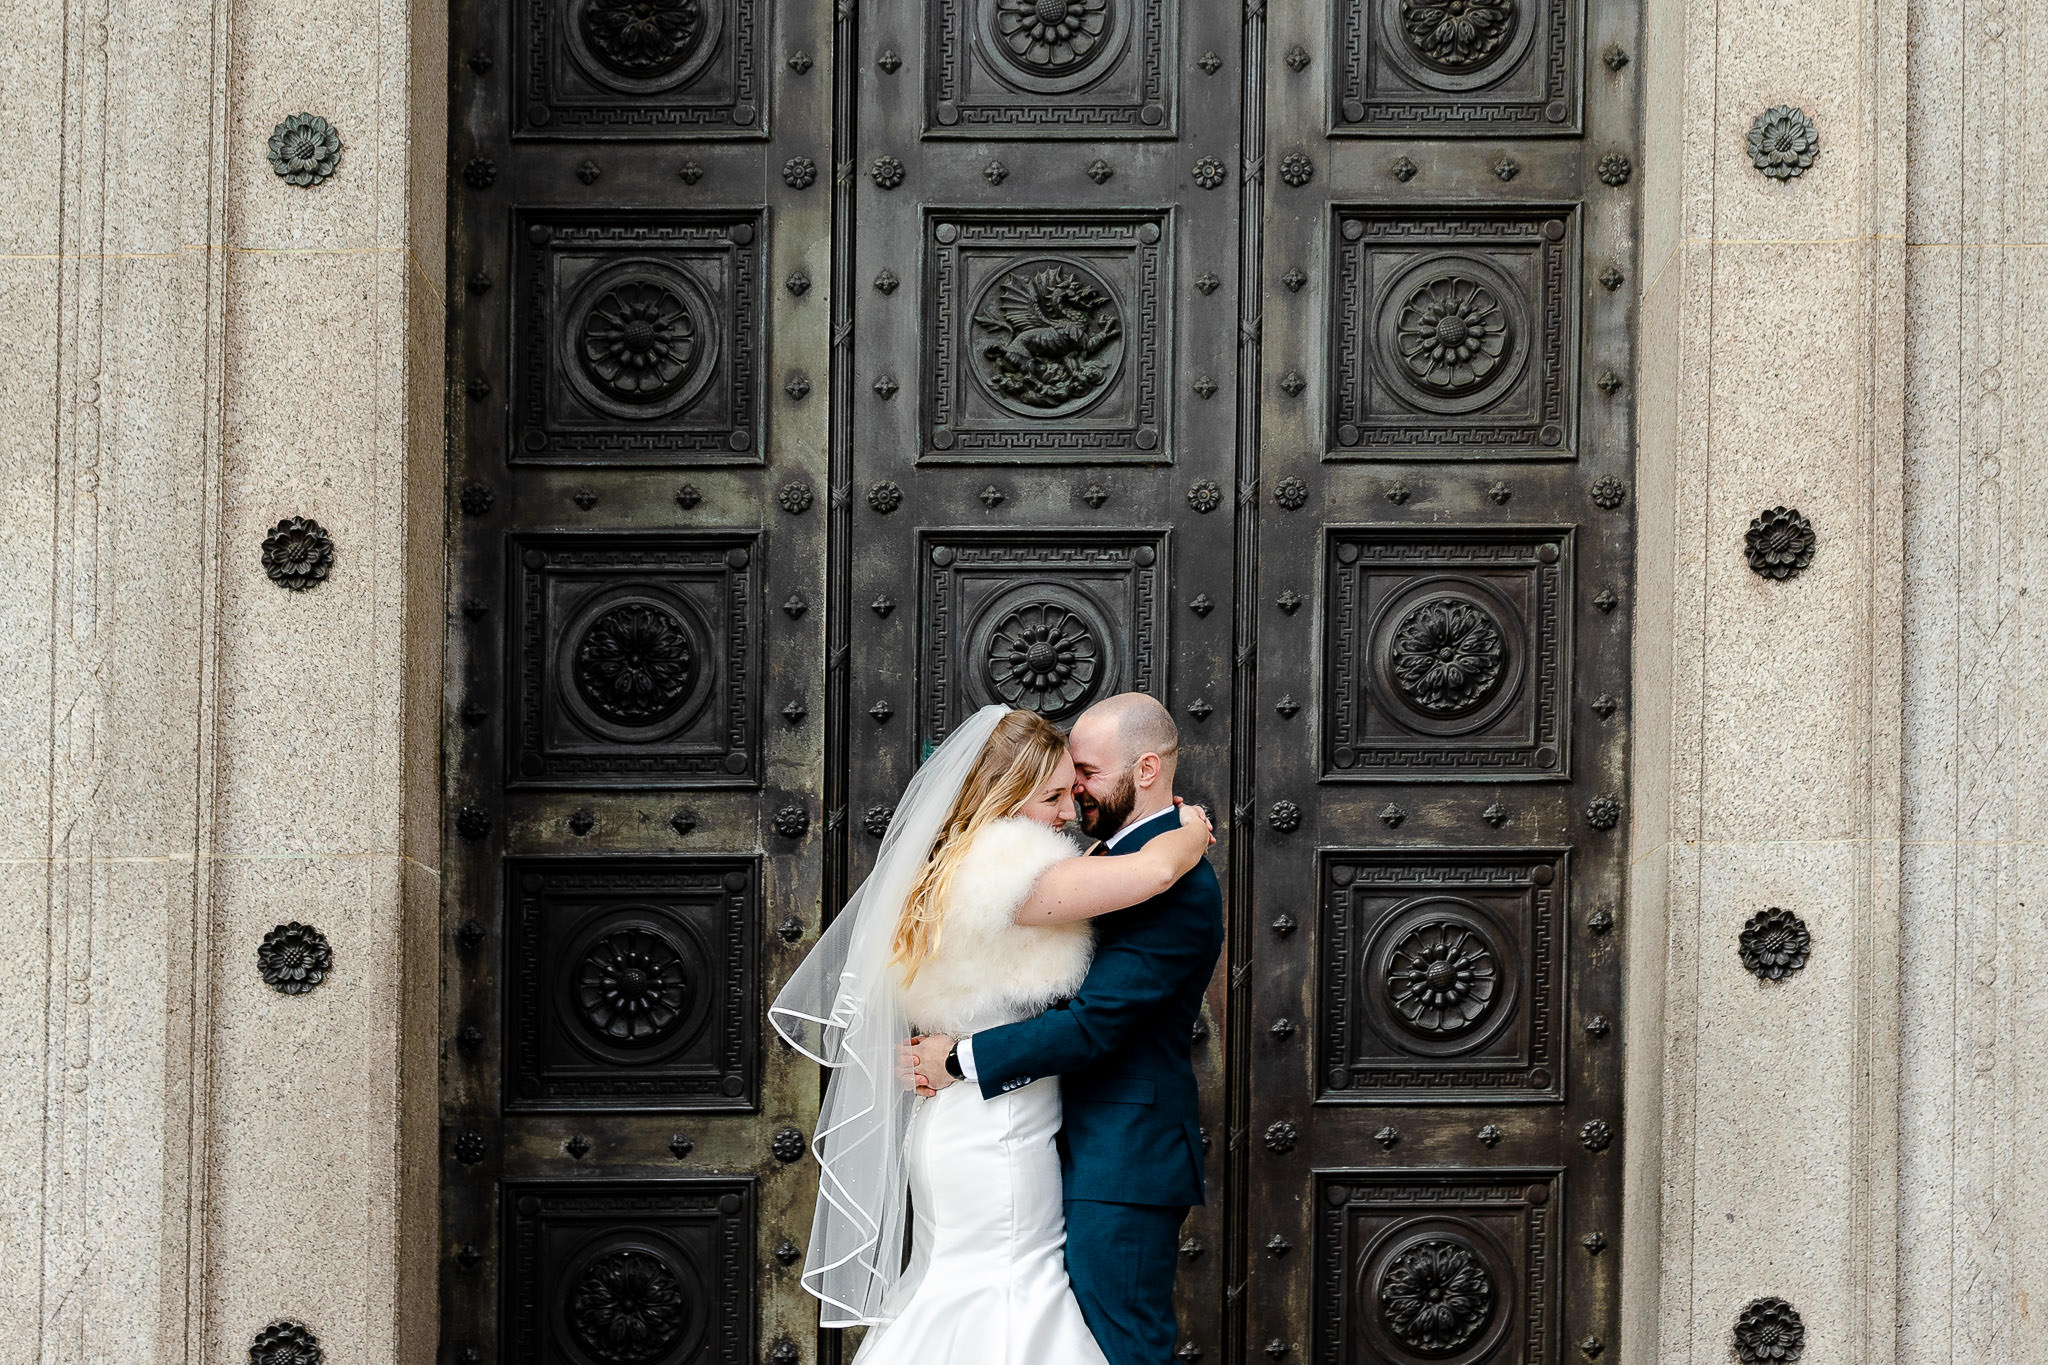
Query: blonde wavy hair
1022	752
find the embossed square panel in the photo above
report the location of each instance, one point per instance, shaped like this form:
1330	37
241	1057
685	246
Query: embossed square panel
633	661
635	339
1427	1266
1045	336
1447	654
1441	976
600	1272
1453	335
630	984
1018	68
1480	68
1049	622
639	68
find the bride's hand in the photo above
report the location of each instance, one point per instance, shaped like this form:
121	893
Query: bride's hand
906	1067
1192	815
921	1064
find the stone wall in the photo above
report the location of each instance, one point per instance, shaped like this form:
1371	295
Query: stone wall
1860	743
1973	1264
1763	1114
191	755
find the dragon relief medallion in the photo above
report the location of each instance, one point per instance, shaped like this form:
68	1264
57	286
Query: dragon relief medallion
1050	339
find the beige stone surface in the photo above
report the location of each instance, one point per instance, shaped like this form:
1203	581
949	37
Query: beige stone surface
301	691
188	755
1976	1016
305	1089
28	307
1768	715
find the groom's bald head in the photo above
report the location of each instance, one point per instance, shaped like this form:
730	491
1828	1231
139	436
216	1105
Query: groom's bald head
1134	723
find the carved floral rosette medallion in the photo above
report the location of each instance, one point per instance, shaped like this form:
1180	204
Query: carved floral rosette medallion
1457	35
1447	655
286	1342
294	958
1011	67
635	337
1053	45
1437	978
634	663
1456	67
1779	543
1454	334
643	339
631	986
1769	1331
646	40
1045	655
637	986
298	554
1440	977
1042	648
1774	944
614	1272
1783	142
632	660
639	67
305	150
626	1308
1458	1267
1435	1296
1048	625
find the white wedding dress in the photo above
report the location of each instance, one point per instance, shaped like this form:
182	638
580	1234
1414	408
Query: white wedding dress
987	1283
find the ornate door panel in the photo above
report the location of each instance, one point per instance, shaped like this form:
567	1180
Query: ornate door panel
820	373
1432	1171
1042	399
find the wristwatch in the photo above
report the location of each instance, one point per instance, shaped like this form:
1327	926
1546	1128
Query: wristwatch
953	1063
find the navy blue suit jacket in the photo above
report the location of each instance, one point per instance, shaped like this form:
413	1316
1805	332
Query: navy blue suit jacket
1132	1134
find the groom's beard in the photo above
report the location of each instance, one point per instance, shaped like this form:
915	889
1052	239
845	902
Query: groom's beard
1105	815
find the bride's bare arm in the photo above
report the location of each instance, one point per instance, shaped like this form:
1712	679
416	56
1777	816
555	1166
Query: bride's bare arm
1082	888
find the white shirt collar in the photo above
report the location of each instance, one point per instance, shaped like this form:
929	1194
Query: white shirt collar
1118	837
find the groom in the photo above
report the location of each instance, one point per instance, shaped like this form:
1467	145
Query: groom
1131	1148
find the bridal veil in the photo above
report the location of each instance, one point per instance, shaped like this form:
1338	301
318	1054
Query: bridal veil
841	1009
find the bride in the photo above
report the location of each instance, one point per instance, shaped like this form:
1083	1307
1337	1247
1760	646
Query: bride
975	915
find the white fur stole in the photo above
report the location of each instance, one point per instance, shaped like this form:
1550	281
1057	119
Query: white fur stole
990	970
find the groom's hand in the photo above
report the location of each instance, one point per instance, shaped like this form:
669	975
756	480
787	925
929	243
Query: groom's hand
924	1057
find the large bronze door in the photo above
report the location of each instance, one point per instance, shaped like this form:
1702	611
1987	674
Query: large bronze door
1429	963
639	285
820	372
